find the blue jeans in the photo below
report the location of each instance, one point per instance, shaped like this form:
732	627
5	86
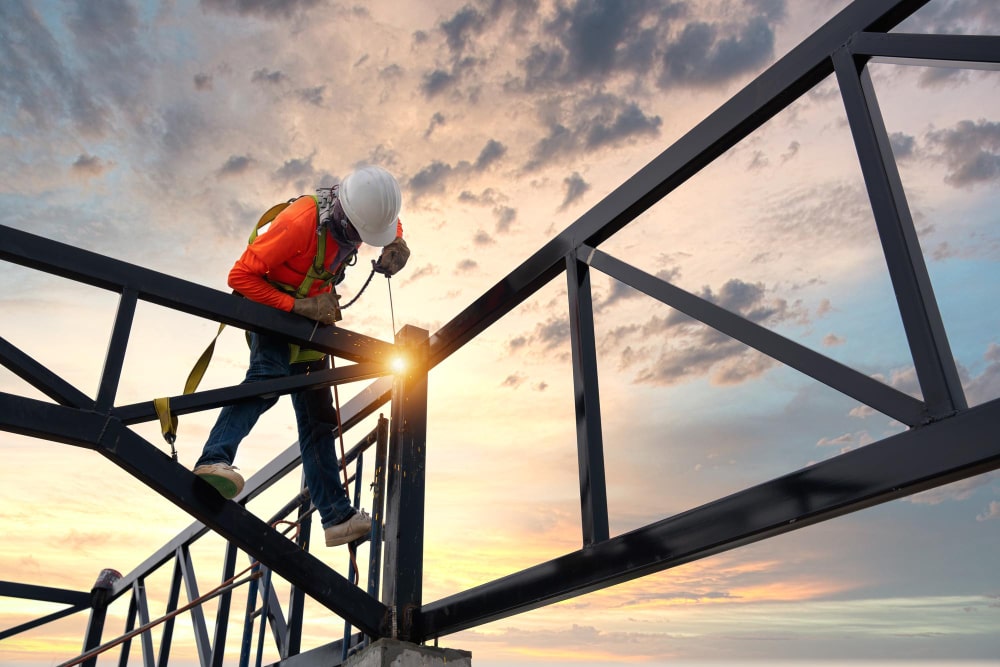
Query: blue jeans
315	417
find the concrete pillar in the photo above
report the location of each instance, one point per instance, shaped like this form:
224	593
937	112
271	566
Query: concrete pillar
395	653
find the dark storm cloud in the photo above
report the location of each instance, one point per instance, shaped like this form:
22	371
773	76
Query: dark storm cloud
575	188
266	9
430	179
971	150
437	120
491	153
703	56
236	165
595	122
589	41
434	177
436	81
296	171
36	80
462	27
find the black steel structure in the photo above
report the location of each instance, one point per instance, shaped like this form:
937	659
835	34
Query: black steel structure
946	439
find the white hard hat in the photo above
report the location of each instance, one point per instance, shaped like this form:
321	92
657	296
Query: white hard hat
371	199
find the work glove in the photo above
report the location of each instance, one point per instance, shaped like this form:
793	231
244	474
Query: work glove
323	307
393	257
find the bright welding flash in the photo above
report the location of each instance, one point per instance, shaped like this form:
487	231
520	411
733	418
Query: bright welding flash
398	364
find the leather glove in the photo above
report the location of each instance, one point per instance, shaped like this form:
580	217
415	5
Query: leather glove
393	257
323	307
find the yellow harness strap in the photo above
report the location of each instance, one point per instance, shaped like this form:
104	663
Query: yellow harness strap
168	420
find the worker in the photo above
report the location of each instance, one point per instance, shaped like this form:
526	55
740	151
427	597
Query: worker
364	208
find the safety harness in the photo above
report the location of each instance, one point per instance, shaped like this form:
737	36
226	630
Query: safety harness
317	271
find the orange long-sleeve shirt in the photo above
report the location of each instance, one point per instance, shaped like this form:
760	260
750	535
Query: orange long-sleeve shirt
284	254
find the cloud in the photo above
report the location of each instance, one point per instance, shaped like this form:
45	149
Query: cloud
202	82
597	121
466	266
481	238
297	171
832	340
986	386
437	120
505	218
491	153
236	165
266	76
992	511
36	80
902	145
313	96
956	491
89	166
971	150
550	335
576	187
513	381
434	178
704	55
673	349
265	9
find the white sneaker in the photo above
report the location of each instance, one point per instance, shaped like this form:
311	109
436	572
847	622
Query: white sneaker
223	477
354	528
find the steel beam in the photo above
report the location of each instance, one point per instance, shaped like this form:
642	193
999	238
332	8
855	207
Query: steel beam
759	101
214	398
964	51
587	402
76	600
892	468
925	332
115	358
41	378
844	379
178	485
96	270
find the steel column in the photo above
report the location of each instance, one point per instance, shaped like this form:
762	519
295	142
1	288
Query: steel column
404	518
587	402
935	365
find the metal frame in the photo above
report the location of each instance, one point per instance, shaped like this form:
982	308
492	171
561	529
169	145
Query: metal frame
946	440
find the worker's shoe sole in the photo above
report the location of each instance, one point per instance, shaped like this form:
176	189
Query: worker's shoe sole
222	477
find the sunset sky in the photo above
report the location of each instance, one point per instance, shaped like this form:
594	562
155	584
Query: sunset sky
157	132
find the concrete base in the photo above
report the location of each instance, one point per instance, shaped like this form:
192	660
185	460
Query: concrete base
394	653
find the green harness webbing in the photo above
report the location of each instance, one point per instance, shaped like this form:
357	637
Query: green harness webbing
317	271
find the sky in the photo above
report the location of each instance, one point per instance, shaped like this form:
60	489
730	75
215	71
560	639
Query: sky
156	133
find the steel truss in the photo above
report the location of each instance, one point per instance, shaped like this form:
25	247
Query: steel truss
946	441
